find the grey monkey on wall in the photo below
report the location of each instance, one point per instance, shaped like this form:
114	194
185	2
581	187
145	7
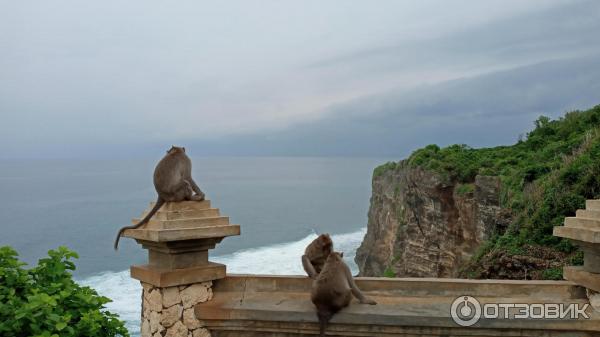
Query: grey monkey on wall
333	288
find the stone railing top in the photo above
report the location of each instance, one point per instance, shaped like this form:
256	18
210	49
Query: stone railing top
277	304
409	286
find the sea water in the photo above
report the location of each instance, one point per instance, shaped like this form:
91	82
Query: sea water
280	203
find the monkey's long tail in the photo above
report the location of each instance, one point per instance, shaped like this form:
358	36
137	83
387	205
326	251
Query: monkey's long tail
324	317
157	206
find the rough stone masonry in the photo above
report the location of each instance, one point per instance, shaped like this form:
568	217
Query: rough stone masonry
169	311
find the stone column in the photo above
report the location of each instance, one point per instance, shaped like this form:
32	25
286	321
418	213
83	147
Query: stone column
584	231
178	274
169	311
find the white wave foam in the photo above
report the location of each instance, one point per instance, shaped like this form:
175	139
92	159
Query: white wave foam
125	293
279	259
284	258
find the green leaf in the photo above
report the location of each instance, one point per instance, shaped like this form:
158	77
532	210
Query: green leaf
60	325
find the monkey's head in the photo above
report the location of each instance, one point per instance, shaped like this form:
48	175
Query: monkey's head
325	242
176	149
335	257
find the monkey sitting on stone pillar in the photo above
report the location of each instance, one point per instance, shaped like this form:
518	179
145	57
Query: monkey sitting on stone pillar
173	182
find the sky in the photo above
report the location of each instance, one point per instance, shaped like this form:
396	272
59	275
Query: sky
291	78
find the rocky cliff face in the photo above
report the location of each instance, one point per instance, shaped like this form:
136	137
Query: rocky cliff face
422	225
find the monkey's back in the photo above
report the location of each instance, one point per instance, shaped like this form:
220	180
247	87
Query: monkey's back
330	299
170	172
331	289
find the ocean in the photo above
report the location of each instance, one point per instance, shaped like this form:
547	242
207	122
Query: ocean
281	204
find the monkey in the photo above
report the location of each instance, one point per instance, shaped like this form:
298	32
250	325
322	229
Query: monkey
173	182
315	255
333	288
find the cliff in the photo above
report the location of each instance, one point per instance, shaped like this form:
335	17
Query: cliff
421	225
484	213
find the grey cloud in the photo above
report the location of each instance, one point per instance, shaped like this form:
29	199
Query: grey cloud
485	110
569	29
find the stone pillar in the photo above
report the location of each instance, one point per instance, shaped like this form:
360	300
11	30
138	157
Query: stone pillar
584	230
178	274
169	311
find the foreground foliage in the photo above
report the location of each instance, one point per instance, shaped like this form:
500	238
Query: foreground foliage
545	177
45	301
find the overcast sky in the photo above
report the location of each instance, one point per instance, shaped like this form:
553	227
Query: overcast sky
114	78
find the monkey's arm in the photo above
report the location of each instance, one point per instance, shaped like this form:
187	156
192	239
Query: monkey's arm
308	267
355	291
195	187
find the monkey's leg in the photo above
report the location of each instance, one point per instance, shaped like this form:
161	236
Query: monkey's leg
189	193
182	192
196	189
355	291
308	267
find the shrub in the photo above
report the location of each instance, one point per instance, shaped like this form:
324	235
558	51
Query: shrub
464	189
552	274
388	272
381	169
44	301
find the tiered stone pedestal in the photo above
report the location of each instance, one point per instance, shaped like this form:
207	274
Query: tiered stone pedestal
178	238
584	230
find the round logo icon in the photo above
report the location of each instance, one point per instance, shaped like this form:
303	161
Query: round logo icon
465	310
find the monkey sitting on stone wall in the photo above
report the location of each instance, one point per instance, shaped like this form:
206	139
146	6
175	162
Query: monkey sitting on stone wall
333	288
173	182
315	255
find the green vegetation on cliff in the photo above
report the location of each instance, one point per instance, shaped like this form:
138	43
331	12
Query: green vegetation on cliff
545	177
45	301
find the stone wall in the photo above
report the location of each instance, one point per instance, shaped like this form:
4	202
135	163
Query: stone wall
169	311
280	306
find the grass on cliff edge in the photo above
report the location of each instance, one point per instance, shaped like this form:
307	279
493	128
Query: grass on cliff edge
545	176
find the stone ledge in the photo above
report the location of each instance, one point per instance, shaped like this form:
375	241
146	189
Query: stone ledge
280	306
167	235
580	276
592	205
586	213
177	215
168	278
582	222
184	223
410	286
579	234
